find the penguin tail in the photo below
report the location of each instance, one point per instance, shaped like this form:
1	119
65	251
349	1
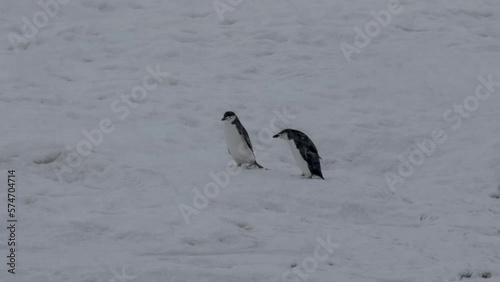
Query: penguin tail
259	166
320	175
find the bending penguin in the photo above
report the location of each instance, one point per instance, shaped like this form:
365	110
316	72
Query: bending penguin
303	150
238	142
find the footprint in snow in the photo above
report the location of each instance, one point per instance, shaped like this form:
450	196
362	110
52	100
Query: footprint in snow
196	15
243	226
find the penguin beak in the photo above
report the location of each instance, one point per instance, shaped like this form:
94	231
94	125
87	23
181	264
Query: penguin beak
224	118
276	136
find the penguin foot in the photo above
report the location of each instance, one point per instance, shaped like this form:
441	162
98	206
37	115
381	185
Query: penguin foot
255	166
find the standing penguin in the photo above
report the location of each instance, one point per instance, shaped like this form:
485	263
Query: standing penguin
238	142
303	150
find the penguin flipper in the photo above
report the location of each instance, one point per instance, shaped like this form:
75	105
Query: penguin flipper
314	164
243	132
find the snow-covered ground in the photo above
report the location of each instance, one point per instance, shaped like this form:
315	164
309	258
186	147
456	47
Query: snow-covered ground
123	209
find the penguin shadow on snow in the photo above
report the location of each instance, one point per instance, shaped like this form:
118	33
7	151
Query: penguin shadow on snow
239	146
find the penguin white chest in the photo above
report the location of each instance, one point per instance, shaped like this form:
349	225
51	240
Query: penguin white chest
237	145
301	163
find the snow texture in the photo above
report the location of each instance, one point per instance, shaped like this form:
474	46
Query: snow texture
114	214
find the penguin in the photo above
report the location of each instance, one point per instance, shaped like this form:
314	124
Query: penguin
303	150
238	142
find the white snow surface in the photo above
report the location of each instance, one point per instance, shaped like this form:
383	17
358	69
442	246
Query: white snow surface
118	211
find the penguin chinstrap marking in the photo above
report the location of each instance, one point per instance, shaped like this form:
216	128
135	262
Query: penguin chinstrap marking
304	152
238	142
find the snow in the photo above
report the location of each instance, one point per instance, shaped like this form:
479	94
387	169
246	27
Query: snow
115	215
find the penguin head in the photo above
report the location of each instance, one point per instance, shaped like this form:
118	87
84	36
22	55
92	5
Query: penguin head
229	116
282	134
